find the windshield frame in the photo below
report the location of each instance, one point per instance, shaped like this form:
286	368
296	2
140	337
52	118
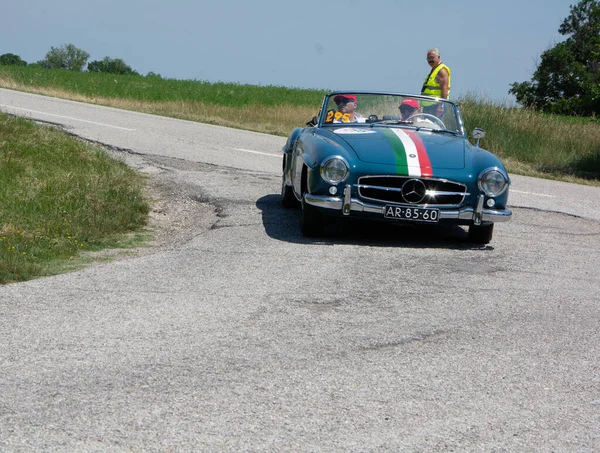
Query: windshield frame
328	100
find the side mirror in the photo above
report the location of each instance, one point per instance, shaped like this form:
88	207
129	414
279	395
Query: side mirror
478	134
313	121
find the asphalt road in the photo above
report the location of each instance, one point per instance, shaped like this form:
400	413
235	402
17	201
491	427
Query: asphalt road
249	337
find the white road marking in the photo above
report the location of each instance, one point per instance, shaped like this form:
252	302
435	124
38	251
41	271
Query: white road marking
533	193
67	117
256	152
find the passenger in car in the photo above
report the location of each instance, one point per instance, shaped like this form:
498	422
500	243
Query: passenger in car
346	105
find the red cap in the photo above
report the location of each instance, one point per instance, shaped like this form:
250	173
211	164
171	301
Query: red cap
410	102
341	97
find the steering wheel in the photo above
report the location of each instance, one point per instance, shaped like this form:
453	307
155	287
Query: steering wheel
435	119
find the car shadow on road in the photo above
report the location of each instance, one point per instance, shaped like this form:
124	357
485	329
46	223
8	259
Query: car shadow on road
284	225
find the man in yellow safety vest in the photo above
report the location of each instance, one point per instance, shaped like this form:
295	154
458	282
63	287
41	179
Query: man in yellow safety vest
437	83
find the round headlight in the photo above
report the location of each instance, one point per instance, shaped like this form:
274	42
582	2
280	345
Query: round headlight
334	170
492	182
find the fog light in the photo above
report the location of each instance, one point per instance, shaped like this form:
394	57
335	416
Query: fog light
491	202
333	190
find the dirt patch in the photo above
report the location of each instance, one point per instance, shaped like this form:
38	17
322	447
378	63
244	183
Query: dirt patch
177	215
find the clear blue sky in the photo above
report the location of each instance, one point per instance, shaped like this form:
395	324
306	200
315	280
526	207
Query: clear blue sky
343	44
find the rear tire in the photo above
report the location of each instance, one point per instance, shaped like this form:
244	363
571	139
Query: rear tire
481	234
312	222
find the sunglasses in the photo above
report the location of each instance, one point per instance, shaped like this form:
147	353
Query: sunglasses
406	108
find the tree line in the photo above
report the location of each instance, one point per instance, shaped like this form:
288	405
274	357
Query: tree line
74	59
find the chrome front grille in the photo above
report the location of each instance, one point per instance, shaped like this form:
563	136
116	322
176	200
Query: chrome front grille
408	190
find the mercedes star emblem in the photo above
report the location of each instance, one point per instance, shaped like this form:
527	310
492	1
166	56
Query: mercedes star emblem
413	191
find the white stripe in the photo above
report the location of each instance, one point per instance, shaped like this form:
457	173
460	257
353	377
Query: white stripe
256	152
412	156
66	117
533	193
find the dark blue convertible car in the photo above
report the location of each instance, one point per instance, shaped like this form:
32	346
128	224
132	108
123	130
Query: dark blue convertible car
395	158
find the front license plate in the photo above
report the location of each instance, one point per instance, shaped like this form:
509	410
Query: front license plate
422	214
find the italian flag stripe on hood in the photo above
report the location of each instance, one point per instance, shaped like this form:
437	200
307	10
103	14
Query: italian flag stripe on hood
409	153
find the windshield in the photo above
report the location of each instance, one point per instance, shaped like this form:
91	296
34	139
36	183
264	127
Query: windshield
368	109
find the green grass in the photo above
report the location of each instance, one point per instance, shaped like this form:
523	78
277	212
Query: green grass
156	89
58	198
535	144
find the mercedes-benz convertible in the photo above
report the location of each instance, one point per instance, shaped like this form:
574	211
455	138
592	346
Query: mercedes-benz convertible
393	157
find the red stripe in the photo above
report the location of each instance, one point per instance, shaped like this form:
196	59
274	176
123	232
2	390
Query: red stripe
424	162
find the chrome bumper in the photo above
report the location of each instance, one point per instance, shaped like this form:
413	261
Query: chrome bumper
347	204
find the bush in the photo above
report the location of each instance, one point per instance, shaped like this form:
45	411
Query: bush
65	57
12	59
111	66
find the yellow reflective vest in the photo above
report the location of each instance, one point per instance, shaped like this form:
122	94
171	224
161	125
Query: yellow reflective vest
431	87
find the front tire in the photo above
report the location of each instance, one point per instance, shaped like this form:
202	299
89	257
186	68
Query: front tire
481	234
312	222
288	199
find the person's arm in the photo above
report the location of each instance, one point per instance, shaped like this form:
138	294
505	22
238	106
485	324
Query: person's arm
442	79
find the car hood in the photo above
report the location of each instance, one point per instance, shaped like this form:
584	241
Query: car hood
420	152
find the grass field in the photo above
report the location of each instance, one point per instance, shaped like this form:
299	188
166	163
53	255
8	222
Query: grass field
534	144
60	196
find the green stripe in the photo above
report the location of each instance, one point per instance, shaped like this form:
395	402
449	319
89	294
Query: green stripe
399	152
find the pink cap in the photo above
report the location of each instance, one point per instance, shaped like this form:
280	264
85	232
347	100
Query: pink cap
341	97
410	102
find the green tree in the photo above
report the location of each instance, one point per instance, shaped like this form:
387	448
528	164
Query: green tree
65	57
111	66
567	80
12	59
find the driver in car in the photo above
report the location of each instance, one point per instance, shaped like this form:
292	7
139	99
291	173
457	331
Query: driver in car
408	109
